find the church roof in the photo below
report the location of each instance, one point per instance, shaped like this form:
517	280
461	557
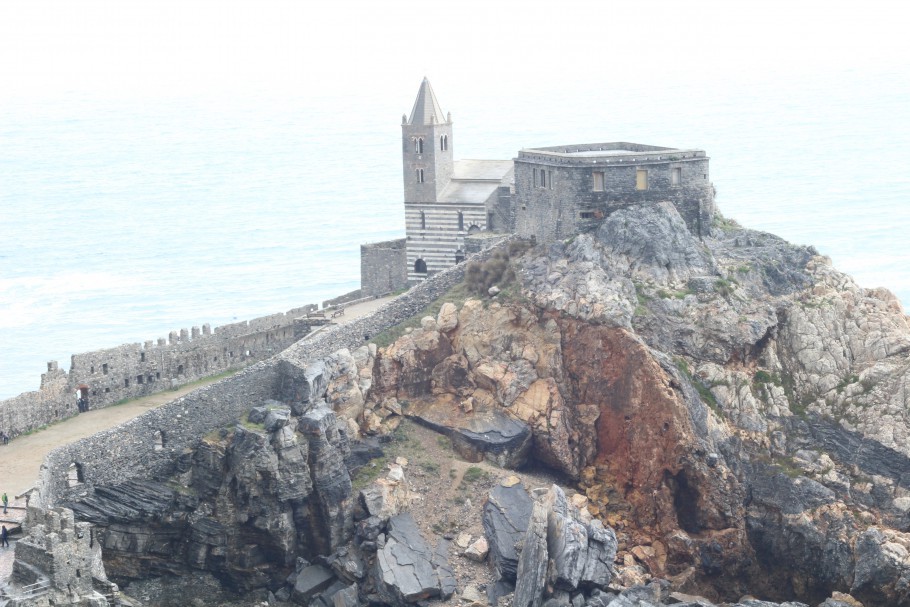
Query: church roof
426	108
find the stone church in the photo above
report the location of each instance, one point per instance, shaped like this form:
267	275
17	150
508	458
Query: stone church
547	193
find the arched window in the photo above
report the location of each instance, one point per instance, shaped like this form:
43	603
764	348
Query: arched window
444	142
423	220
419	175
420	266
418	145
473	228
460	220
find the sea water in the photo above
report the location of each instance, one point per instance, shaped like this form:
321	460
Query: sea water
123	219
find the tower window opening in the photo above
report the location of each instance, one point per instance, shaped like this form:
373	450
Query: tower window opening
419	175
444	142
641	179
418	145
675	176
460	220
423	220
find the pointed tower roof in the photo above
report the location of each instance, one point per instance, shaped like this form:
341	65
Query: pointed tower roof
426	109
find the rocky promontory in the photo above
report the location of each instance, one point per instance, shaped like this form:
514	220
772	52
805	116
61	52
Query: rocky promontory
632	417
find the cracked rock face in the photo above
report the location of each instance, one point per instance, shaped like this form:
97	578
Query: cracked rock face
732	412
735	400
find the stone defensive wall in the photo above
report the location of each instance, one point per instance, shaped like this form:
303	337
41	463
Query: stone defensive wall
152	444
105	377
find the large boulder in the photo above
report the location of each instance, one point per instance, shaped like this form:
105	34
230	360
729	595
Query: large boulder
404	566
505	522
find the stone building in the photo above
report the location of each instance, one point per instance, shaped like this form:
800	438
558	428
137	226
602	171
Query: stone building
549	193
444	199
58	563
562	191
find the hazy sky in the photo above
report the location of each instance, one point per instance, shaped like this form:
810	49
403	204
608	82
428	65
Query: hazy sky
174	48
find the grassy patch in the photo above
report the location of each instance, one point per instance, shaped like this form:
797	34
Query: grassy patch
724	287
474	474
369	473
788	466
727	225
673	294
429	467
703	391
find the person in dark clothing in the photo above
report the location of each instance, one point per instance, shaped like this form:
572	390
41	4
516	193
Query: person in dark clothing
4	537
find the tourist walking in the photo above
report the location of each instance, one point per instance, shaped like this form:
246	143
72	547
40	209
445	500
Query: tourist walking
5	503
4	537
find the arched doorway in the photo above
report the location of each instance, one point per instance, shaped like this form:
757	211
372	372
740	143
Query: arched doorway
82	397
420	266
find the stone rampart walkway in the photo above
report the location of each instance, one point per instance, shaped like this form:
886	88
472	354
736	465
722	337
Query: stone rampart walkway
21	459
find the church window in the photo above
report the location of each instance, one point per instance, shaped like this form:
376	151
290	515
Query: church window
675	176
419	175
641	179
418	145
423	220
420	266
598	181
444	142
460	220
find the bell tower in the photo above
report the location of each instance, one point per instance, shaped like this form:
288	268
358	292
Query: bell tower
426	148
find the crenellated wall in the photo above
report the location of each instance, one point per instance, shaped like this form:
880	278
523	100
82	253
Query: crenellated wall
150	445
108	376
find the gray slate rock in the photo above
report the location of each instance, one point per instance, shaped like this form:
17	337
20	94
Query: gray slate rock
404	566
567	541
505	522
532	564
445	573
310	582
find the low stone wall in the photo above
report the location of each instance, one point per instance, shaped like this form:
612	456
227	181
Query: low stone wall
151	444
105	377
347	298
